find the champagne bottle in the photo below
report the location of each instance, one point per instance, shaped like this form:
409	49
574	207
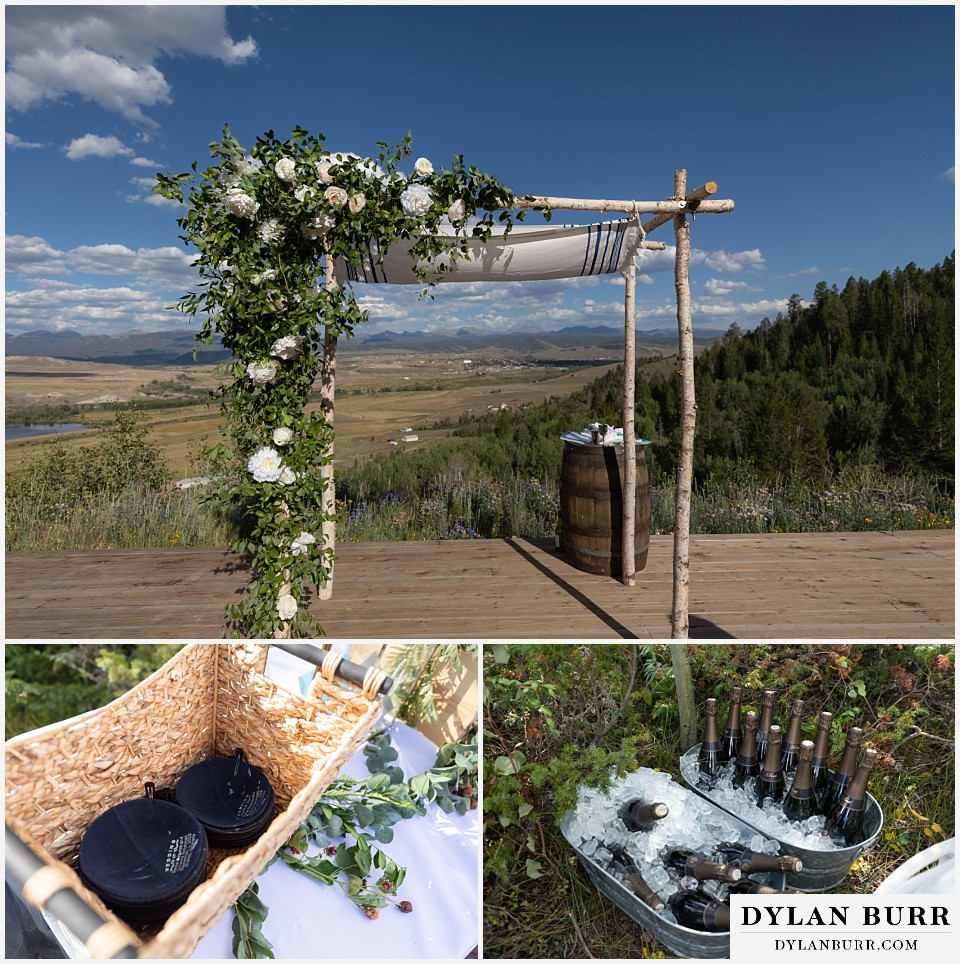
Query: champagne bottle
844	772
733	734
750	862
821	755
791	743
770	782
709	758
845	820
748	763
747	886
699	911
766	719
635	880
640	815
690	864
801	801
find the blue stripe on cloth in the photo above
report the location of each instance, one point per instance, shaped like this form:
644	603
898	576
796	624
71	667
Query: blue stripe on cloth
586	251
596	250
372	262
615	248
608	232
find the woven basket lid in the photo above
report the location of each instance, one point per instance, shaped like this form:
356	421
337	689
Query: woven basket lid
144	857
231	798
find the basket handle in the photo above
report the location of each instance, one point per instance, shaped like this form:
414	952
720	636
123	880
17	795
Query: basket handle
351	672
50	886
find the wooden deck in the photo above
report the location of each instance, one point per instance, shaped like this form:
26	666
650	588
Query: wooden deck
868	585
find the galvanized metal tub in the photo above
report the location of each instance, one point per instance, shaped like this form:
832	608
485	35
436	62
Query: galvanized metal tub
822	869
683	941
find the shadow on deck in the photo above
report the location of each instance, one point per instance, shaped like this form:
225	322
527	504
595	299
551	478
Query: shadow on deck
867	585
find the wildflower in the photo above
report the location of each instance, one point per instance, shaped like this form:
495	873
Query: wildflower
372	913
405	906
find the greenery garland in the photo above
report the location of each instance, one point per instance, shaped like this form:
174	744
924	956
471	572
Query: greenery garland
363	813
266	224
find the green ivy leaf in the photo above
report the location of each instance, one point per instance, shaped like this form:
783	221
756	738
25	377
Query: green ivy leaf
534	868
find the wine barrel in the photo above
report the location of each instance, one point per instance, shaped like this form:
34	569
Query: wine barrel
591	508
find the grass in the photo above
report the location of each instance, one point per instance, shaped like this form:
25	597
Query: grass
567	714
134	517
39	516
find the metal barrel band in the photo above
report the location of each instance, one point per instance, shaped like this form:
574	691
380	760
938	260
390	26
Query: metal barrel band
42	884
107	940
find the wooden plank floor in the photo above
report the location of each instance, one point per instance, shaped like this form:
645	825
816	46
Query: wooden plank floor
868	585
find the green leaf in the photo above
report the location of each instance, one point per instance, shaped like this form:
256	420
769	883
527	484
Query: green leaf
524	809
503	765
420	785
534	868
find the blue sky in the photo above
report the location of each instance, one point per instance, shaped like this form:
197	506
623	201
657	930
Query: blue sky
832	128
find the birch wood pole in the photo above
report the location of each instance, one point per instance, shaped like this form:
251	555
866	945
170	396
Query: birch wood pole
669	207
683	679
328	381
629	572
680	621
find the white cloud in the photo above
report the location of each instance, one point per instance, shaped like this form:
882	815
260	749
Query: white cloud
93	145
33	256
106	54
734	261
168	268
145	185
144	162
718	287
949	175
86	309
15	142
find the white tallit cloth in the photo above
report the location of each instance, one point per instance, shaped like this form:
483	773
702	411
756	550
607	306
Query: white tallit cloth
528	253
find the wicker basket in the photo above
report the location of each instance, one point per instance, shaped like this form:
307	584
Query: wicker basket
208	700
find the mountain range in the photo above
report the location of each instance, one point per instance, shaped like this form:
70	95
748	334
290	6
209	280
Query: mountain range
153	348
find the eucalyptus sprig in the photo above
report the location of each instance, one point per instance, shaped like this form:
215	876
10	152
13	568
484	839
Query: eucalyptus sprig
249	914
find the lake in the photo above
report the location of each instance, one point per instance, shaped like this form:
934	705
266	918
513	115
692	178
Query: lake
15	432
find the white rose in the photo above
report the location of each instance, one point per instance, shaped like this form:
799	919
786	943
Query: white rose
317	227
282	436
423	167
287	347
269	230
286	607
240	204
230	179
249	165
286	169
416	200
302	543
302	193
325	172
262	373
457	211
268	275
287	476
265	465
335	196
356	203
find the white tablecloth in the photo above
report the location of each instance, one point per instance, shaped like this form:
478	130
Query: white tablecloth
441	853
